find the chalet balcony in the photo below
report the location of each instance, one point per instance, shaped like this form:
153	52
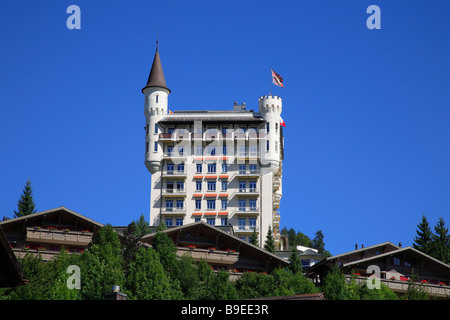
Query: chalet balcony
62	237
211	256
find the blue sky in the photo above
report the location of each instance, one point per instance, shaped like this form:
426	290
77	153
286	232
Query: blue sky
367	143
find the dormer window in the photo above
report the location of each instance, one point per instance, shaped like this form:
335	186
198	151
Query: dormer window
157	98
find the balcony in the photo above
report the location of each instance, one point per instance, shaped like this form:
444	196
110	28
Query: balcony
174	155
245	229
247	210
63	237
166	136
247	173
173	210
173	192
247	191
211	256
174	173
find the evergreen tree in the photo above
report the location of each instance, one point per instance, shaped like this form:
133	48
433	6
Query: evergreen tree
292	240
269	245
303	240
423	240
254	238
295	262
130	244
25	205
441	242
142	226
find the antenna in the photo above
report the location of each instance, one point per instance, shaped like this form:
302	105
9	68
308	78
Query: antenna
157	31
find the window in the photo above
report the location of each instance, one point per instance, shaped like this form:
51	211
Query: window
224	167
180	151
146	147
252	223
211	221
252	204
198	204
211	204
224	204
179	222
253	168
156	128
180	204
242	186
180	167
211	186
242	150
241	223
267	145
180	185
171	130
252	186
224	149
199	168
198	186
197	219
169	150
242	168
224	185
242	205
212	151
155	148
170	167
223	221
267	127
253	149
211	168
276	127
169	205
157	98
168	222
169	185
396	261
224	130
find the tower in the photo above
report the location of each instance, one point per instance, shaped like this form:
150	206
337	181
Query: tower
270	108
156	101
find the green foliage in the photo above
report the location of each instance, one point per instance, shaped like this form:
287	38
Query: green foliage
25	205
254	238
435	244
295	264
422	241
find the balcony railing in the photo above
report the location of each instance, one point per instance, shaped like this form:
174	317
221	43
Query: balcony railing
45	235
173	210
248	191
248	173
210	255
174	172
245	228
247	209
175	154
174	191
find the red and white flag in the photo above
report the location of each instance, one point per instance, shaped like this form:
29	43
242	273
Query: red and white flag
282	122
277	79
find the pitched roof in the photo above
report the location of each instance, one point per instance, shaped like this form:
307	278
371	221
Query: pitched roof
62	211
243	244
156	77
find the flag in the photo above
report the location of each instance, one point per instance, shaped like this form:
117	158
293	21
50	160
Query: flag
170	112
277	79
282	122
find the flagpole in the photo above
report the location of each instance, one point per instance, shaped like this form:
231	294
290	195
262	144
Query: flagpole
270	89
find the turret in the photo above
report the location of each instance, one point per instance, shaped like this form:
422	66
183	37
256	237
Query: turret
270	108
156	106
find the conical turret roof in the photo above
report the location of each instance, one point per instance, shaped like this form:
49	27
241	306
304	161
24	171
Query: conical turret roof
156	77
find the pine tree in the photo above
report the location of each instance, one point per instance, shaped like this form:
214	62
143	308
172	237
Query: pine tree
441	242
269	245
26	204
254	238
295	262
423	240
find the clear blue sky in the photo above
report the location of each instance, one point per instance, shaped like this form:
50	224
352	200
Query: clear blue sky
367	143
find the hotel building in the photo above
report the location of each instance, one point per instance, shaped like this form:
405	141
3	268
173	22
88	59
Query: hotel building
221	167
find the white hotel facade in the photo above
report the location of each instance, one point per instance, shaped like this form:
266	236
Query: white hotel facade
222	167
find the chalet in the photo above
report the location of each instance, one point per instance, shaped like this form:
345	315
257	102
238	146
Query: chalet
395	266
220	248
46	233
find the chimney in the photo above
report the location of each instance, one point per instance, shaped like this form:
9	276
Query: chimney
115	294
400	244
356	246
